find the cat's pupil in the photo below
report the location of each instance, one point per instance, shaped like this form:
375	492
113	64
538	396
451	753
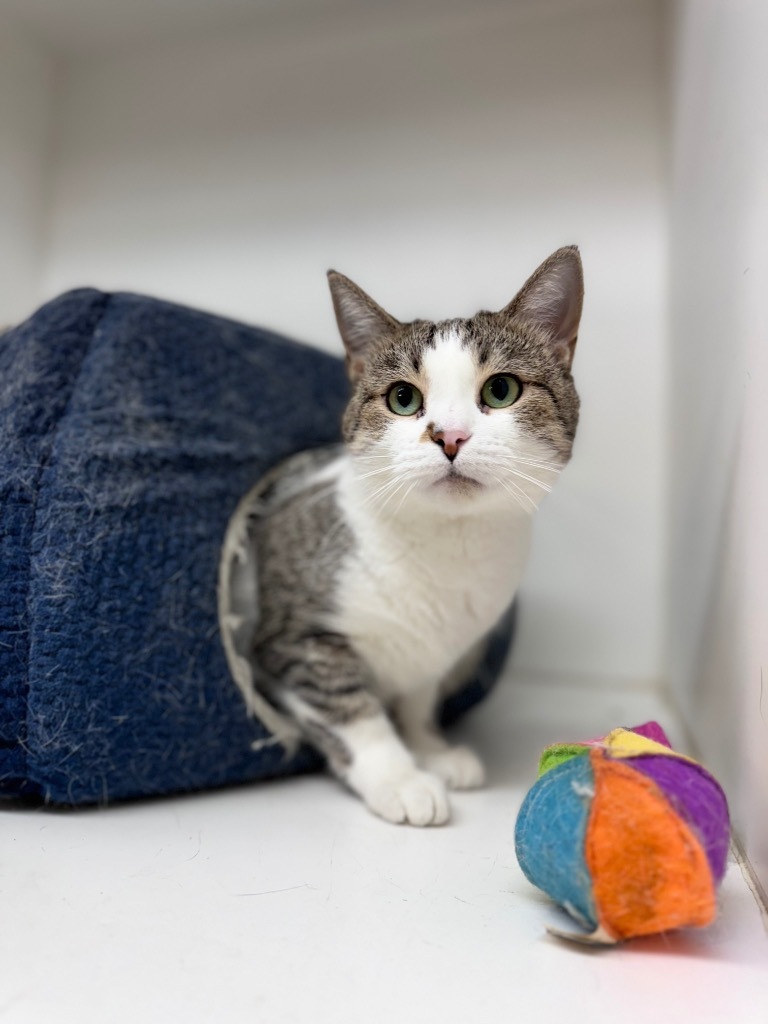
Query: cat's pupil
404	396
500	388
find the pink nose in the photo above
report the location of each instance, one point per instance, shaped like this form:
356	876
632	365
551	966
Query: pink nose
450	441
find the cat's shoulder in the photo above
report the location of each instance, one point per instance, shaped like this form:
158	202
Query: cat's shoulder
297	475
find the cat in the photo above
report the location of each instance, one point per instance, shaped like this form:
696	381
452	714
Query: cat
383	564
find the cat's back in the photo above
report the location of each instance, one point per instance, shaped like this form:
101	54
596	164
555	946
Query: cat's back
285	485
300	536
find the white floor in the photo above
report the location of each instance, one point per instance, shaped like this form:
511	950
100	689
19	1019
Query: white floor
288	902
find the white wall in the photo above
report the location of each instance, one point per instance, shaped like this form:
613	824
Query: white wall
436	160
718	616
26	90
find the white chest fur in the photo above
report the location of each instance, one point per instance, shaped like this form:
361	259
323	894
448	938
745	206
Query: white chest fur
417	591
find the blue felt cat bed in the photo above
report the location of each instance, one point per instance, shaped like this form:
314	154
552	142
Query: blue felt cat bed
129	430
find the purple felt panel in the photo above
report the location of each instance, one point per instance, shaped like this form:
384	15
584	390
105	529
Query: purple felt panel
697	797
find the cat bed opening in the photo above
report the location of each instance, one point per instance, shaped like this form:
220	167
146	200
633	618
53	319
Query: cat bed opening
239	589
130	429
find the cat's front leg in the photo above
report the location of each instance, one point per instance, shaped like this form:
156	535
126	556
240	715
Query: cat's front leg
458	766
325	690
385	774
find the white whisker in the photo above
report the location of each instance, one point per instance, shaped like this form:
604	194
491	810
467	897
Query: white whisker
392	494
524	460
516	494
405	496
530	479
374	472
370	498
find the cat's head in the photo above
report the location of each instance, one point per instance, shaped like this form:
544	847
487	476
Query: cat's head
464	411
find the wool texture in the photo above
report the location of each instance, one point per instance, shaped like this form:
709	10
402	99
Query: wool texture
129	430
697	798
649	872
650	846
550	837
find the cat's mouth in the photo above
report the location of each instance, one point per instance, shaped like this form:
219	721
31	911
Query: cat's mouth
459	482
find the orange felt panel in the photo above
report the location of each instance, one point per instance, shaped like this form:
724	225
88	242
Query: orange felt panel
649	871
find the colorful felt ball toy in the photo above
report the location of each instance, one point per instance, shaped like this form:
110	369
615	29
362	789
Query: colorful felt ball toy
627	835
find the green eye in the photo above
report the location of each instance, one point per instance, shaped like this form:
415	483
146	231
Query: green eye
500	391
404	399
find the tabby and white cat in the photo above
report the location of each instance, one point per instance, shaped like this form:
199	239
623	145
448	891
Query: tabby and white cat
382	564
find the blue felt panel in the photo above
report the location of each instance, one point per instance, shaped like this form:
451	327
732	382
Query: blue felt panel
129	430
549	837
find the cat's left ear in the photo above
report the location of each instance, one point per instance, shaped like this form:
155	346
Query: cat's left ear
361	321
551	299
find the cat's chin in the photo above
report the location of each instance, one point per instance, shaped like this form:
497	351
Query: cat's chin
457	495
460	485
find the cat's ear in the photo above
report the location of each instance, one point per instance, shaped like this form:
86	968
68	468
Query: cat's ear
361	321
551	299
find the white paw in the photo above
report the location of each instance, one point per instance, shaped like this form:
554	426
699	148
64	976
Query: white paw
416	798
459	767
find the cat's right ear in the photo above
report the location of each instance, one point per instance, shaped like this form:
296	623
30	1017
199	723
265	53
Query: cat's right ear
361	321
551	299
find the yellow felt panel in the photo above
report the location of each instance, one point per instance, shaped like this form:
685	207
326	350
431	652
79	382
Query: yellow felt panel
624	743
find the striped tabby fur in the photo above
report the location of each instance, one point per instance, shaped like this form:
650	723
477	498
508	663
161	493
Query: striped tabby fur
383	563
